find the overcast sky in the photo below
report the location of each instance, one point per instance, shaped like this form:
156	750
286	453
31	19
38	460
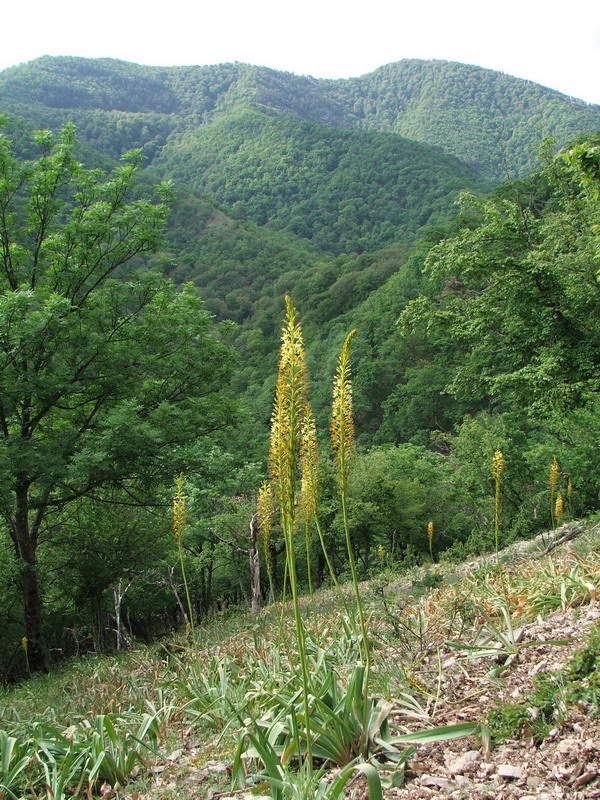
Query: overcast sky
555	45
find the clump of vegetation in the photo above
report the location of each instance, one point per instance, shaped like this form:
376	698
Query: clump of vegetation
509	721
323	718
583	672
553	693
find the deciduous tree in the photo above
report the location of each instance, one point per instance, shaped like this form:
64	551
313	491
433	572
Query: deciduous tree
106	379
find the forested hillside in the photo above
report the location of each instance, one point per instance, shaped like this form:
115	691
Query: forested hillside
490	120
345	191
477	330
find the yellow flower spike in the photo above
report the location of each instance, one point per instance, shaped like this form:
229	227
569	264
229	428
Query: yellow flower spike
309	461
288	409
179	518
342	420
559	508
25	648
279	436
430	532
553	481
498	465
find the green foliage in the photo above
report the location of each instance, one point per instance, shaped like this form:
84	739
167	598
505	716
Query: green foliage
546	705
286	783
214	690
486	118
14	760
106	382
61	764
508	722
511	265
494	347
385	507
346	191
583	672
345	722
577	683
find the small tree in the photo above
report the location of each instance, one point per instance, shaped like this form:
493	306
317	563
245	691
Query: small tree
104	381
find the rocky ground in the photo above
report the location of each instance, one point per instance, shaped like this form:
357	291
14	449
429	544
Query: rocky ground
566	764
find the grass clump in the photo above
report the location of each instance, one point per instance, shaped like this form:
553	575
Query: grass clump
318	718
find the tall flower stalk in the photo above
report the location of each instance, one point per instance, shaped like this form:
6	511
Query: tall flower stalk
498	465
179	525
553	482
309	498
25	649
289	411
342	441
430	533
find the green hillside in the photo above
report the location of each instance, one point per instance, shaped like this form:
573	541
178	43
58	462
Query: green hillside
233	261
477	340
490	120
345	191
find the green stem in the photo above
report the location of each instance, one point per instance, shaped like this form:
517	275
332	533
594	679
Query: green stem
359	607
333	577
308	568
498	501
187	594
288	530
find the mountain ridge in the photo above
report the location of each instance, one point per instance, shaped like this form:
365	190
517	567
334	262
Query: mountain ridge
488	119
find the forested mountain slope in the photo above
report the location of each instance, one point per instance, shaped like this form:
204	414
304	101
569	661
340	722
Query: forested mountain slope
275	171
260	192
477	332
346	191
490	120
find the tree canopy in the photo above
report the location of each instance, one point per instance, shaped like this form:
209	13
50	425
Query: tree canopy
108	377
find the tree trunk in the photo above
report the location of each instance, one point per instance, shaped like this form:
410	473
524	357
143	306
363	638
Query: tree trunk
254	567
32	596
121	641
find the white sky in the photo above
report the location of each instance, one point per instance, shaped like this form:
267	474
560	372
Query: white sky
552	44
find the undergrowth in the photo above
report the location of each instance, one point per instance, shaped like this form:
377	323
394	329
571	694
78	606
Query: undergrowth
547	705
104	721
